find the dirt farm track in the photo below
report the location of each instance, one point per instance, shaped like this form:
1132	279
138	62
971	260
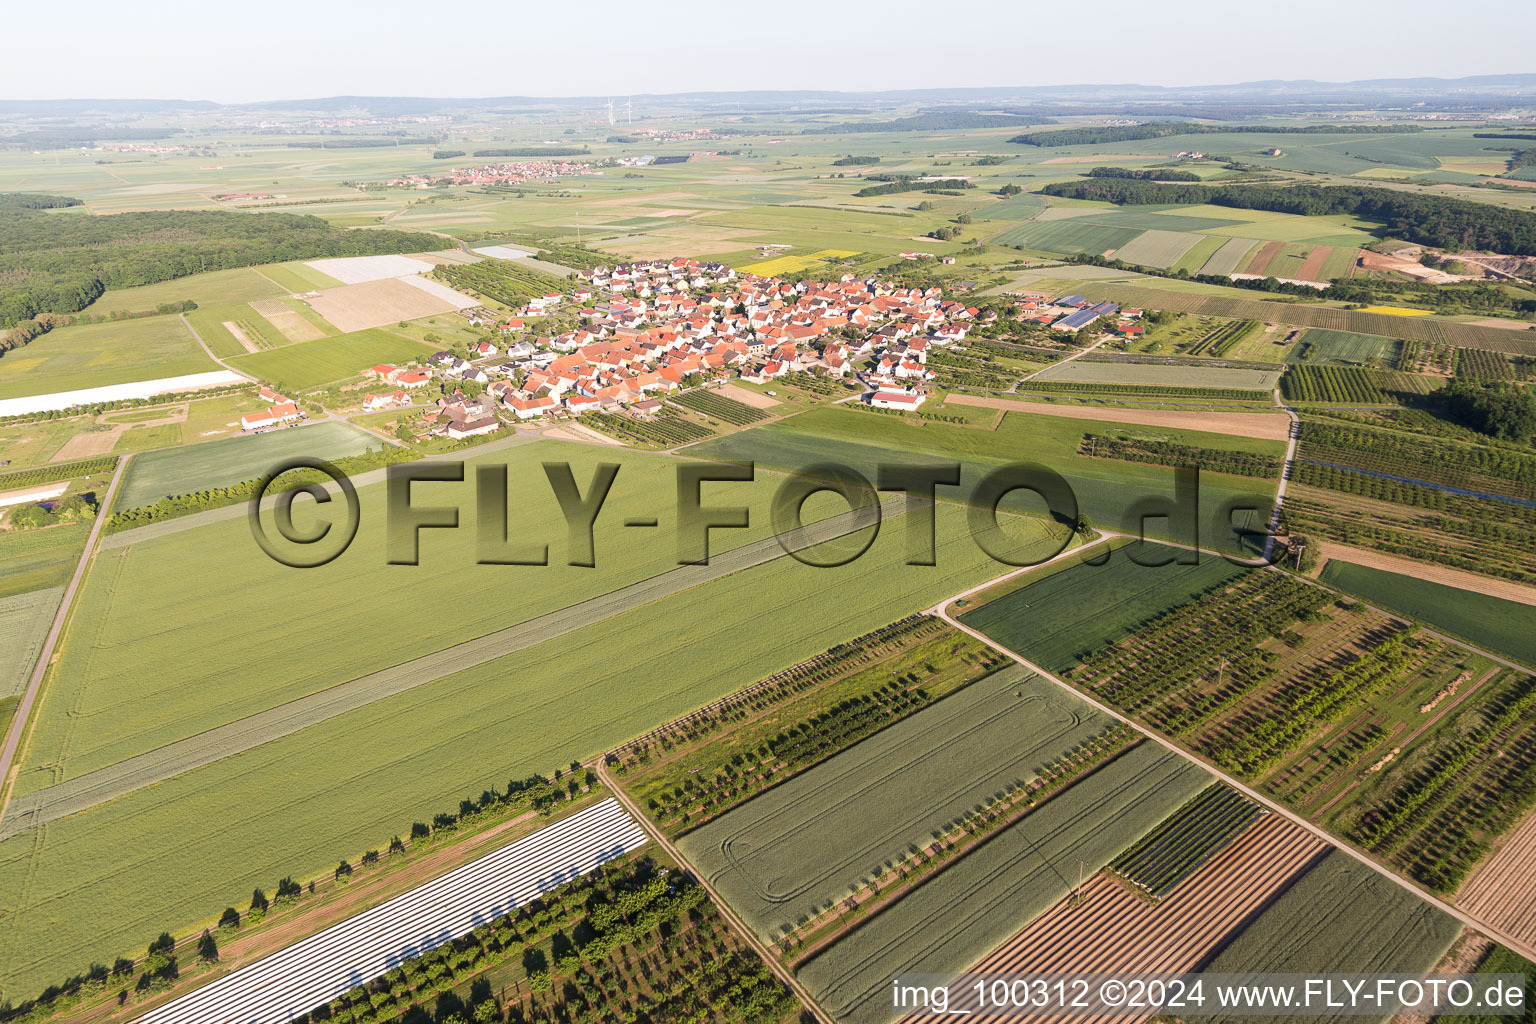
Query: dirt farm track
1273	426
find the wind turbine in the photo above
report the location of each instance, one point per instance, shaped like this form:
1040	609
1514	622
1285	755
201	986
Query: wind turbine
610	110
629	110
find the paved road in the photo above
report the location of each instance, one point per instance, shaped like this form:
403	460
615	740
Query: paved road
34	684
769	956
1525	949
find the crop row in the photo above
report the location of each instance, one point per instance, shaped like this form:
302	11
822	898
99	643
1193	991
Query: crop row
1145	390
1425	457
1268	732
720	407
1477	364
1191	836
1332	384
1412	812
497	280
835	661
667	430
1171	453
101	466
1506	548
1195	640
1221	341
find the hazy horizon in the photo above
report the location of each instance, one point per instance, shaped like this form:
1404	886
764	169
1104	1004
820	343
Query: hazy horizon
287	50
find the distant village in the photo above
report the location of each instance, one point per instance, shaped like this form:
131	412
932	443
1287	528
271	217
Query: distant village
652	328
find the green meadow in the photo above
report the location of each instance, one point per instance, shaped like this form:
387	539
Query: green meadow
94	355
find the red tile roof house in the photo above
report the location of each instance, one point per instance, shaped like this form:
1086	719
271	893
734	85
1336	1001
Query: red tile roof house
283	412
471	428
579	404
902	400
382	371
412	379
531	408
380	401
268	395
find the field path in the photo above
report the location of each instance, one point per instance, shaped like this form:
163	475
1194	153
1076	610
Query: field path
1267	426
1062	362
1524	947
206	350
86	791
40	669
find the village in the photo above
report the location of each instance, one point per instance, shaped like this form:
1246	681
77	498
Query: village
654	328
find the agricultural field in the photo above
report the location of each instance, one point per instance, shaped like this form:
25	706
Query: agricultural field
1065	614
1067	236
1158	248
692	770
1209	301
809	842
1183	843
1494	624
233	460
96	355
793	264
1233	255
1441	500
1345	348
1166	375
1340	916
313	363
1104	490
719	407
341	793
1105	926
1435	811
24	622
977	901
37	559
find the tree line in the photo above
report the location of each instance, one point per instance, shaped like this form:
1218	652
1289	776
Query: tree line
1162	129
63	264
1424	219
902	184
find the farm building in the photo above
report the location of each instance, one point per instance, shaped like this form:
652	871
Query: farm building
283	412
901	400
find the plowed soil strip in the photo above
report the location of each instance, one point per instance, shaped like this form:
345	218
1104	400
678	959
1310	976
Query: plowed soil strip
1313	266
1271	426
1504	889
1260	263
1106	927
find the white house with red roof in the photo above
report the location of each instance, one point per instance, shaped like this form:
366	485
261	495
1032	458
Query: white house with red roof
903	401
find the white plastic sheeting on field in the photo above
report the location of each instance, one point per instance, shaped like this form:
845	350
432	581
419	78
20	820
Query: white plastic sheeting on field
119	392
326	965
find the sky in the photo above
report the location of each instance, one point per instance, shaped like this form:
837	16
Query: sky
292	49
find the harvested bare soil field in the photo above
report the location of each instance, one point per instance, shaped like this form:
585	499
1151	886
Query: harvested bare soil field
1503	890
1273	426
1107	927
746	397
1261	259
357	307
